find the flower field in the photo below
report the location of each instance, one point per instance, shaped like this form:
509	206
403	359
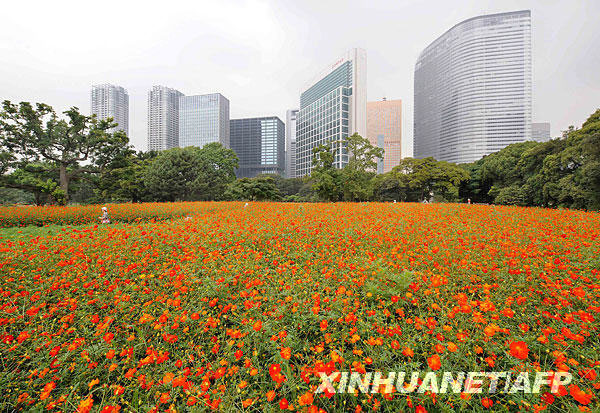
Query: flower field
241	309
76	215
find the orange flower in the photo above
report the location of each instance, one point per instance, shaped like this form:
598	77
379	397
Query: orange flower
286	353
434	362
408	352
519	349
257	326
306	399
85	405
579	395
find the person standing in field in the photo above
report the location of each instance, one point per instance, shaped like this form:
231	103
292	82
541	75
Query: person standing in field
105	218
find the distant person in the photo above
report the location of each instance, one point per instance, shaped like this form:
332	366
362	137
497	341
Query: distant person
105	219
469	201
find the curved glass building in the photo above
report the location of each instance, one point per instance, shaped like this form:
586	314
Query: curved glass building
473	88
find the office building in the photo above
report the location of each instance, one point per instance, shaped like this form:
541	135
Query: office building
384	130
290	143
472	88
203	119
163	118
540	131
332	106
110	101
260	146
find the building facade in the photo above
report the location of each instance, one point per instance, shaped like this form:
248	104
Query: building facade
473	88
332	106
110	101
260	146
163	118
291	118
540	131
384	130
203	119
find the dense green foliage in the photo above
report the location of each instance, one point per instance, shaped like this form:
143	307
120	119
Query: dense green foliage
560	173
44	159
42	154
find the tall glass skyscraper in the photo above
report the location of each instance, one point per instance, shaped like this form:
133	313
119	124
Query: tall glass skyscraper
163	118
203	119
259	144
110	101
332	106
473	88
290	142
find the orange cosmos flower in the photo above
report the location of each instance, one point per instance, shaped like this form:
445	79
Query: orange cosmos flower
286	353
519	349
434	362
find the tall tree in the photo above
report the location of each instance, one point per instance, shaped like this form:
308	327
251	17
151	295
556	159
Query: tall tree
191	173
357	176
325	178
73	146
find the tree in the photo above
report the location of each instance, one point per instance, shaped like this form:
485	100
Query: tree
357	176
125	180
217	170
73	146
260	188
191	174
415	180
325	178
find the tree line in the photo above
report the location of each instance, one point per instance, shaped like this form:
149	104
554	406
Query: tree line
47	159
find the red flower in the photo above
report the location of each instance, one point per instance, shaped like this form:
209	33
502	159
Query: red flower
283	404
108	337
434	362
519	349
286	353
579	395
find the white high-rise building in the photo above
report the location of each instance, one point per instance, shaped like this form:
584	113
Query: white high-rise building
473	89
110	101
332	106
163	118
291	117
203	119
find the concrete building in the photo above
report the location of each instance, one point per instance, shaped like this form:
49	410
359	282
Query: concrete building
203	119
291	118
163	118
332	106
472	88
260	146
384	130
110	101
540	131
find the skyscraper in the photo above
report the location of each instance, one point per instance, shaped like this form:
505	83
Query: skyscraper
332	106
290	142
384	130
163	118
110	101
203	119
473	88
259	144
540	131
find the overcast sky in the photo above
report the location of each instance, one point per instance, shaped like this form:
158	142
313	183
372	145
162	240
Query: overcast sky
259	53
